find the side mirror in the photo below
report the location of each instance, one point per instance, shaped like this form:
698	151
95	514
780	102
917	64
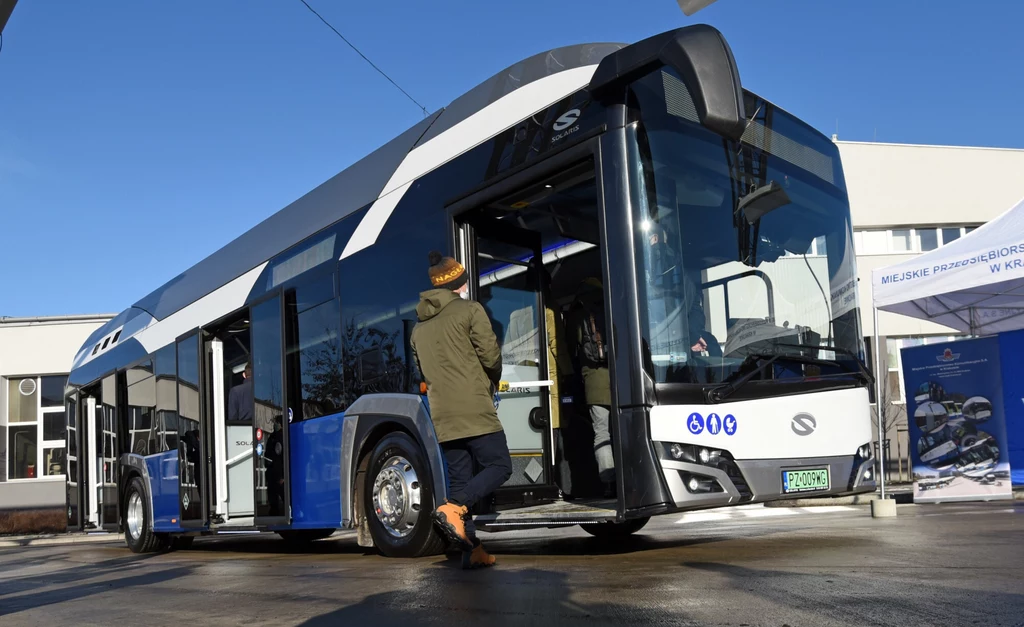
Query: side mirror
762	201
704	61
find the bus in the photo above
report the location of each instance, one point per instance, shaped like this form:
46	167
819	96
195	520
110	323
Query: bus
270	387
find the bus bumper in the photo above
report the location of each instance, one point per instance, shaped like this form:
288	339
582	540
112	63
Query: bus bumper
698	480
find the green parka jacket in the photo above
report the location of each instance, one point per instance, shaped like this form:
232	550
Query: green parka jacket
458	355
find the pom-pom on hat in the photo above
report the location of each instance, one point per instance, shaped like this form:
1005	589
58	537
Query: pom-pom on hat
445	272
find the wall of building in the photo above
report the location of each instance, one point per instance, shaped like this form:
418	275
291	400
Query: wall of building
38	352
892	184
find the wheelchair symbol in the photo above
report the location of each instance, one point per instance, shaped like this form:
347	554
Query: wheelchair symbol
695	423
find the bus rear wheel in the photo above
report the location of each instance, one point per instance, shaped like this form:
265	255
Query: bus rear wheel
138	528
398	499
612	531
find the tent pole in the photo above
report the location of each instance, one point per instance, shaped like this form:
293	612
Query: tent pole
878	405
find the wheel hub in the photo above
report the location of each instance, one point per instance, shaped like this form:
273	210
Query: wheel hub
396	496
135	515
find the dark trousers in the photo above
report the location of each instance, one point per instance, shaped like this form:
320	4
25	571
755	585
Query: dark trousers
489	454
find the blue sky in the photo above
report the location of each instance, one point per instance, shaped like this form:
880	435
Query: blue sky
138	137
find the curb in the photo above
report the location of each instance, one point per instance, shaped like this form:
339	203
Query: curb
30	541
901	498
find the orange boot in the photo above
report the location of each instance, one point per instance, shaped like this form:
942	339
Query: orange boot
449	519
477	558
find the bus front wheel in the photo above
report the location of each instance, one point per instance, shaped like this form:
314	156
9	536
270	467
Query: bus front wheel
612	531
398	499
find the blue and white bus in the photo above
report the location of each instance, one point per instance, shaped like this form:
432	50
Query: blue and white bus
270	386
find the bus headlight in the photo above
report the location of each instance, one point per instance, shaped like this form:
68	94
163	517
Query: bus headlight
864	452
677	451
705	456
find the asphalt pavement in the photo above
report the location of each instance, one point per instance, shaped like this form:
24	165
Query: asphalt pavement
933	565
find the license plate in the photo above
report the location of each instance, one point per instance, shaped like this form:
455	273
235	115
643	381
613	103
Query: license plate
805	480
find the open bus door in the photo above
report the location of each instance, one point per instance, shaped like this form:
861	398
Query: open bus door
74	486
507	282
93	442
532	241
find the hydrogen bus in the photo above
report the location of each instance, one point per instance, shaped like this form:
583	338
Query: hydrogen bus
270	387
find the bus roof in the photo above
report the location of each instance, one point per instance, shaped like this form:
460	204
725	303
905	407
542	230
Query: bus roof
353	188
356	186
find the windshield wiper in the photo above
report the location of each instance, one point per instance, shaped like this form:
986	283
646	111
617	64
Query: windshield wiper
717	394
861	367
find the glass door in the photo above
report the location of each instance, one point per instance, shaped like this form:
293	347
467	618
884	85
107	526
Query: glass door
508	285
75	496
192	470
536	254
271	415
108	450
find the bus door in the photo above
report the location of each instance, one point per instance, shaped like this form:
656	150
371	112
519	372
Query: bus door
97	448
75	495
534	250
192	443
271	413
508	285
230	390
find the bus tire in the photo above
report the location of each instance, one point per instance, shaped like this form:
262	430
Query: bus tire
612	531
138	528
304	536
398	480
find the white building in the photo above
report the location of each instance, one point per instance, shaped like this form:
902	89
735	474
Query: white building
35	357
908	199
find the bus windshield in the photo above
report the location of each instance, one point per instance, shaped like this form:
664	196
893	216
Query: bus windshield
743	248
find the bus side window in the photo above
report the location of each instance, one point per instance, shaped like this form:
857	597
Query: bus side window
314	355
380	288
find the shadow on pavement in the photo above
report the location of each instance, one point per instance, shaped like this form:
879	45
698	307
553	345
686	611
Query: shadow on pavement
271	544
491	597
12	605
588	546
15	585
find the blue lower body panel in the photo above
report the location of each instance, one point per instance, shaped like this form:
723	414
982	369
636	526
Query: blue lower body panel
315	469
163	475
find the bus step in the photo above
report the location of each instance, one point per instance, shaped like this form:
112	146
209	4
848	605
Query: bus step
547	514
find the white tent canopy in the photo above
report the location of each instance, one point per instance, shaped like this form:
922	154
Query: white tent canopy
974	285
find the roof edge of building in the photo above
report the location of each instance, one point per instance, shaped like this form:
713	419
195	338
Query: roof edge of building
72	318
943	146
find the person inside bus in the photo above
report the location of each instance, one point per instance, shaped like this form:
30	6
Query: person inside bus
240	398
559	359
457	353
587	321
672	285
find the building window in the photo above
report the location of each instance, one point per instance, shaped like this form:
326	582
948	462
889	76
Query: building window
901	241
35	430
906	240
927	239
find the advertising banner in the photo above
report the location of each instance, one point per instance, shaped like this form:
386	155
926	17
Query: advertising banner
956	419
1011	354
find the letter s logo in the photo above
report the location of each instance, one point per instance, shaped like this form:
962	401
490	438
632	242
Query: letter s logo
567	119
